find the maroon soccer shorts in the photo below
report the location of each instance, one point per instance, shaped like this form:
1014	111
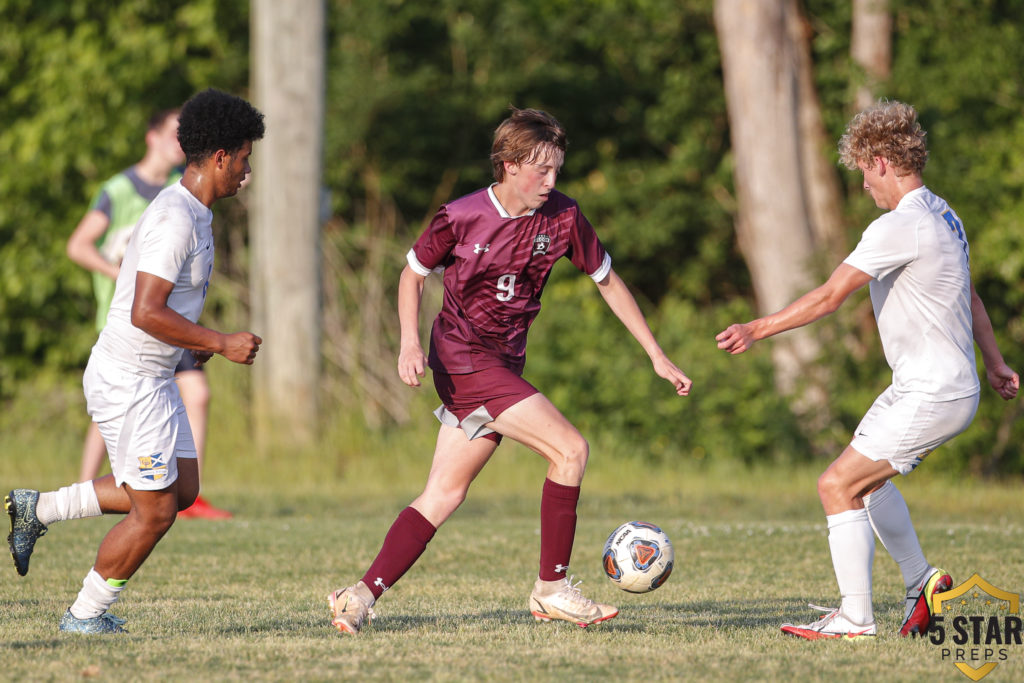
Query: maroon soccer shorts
475	399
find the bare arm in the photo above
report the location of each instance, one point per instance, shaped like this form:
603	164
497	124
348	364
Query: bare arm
812	306
81	246
624	306
1002	378
411	360
152	315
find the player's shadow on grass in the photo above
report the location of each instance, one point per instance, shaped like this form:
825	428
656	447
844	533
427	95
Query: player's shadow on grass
653	618
33	645
715	614
642	618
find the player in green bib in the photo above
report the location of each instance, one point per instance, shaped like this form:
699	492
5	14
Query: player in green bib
121	200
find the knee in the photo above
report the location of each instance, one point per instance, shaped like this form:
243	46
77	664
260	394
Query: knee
438	502
572	457
579	452
830	487
156	520
449	498
195	391
186	498
188	482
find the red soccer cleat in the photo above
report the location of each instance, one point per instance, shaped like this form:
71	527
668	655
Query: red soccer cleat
203	510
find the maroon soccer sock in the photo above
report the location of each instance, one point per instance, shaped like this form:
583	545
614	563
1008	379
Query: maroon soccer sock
557	528
405	542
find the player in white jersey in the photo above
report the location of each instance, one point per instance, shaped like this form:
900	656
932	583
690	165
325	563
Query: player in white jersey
129	382
929	316
98	244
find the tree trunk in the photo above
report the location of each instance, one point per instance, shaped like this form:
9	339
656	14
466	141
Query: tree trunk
762	88
871	46
820	178
288	86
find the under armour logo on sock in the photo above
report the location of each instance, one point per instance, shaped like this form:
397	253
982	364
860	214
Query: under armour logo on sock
561	568
380	584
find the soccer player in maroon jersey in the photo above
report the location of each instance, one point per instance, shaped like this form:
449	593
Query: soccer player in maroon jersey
496	247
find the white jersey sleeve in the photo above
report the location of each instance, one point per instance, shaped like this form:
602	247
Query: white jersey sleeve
165	240
173	240
921	295
887	244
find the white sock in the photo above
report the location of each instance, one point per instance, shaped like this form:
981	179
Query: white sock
890	518
96	596
76	501
853	551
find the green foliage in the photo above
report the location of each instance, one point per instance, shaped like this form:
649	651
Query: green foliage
419	89
80	79
414	91
587	363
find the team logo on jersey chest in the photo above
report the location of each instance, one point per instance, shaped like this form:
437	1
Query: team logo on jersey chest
540	244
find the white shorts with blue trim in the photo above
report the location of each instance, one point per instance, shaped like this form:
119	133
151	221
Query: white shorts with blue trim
143	424
904	428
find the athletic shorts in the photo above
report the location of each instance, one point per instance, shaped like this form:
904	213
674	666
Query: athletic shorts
143	424
904	429
473	400
187	362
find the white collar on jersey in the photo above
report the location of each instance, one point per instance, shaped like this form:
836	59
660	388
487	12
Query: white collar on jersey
501	209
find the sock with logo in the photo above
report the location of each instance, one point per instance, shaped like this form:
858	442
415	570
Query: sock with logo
890	519
403	545
97	595
76	501
853	550
557	529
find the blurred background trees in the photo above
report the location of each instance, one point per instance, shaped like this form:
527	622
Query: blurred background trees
656	158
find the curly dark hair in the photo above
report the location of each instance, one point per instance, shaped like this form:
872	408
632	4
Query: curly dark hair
212	120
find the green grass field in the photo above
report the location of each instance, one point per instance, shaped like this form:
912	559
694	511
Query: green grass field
245	599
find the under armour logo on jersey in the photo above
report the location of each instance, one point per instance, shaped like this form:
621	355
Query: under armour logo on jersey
484	249
540	244
380	583
561	568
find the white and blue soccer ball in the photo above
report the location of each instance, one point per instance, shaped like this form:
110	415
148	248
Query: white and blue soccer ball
638	557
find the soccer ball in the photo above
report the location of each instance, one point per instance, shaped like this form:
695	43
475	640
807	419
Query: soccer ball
638	557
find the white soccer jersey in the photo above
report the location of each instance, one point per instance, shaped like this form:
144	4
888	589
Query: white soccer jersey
921	294
174	241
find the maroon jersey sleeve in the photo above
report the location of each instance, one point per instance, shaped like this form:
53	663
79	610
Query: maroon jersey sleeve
586	251
435	245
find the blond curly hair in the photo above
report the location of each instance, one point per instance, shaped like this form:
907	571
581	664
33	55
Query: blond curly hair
887	129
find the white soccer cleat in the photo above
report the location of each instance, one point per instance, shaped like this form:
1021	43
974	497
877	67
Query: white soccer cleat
832	625
351	608
563	600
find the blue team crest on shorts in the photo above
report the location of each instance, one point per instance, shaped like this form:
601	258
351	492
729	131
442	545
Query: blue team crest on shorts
153	467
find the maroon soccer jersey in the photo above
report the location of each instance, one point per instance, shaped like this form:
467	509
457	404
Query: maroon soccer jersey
495	268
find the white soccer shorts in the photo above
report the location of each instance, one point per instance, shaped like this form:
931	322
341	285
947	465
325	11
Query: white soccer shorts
143	423
904	429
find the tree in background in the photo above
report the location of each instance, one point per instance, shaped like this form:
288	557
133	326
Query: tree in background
288	76
788	198
871	47
416	88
